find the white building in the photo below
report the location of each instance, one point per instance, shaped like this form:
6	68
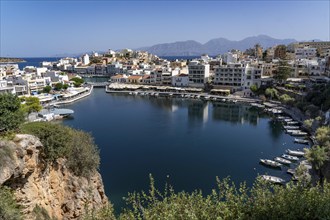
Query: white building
114	68
85	59
41	70
230	57
5	88
198	73
181	80
230	76
305	53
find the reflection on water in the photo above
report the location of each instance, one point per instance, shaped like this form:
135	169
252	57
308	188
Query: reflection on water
191	141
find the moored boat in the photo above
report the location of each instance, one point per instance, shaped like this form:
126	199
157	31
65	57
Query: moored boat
297	133
301	141
282	160
295	153
270	163
273	179
292	123
289	127
289	157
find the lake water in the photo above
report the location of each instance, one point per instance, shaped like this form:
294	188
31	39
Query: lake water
186	143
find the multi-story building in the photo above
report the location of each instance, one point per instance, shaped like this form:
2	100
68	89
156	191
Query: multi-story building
230	76
114	68
305	53
238	76
198	73
181	80
85	59
280	52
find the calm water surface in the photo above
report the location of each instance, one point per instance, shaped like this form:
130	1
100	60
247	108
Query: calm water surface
185	143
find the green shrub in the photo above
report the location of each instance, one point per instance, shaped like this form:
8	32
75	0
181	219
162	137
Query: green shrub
63	142
9	209
11	114
262	201
286	99
40	213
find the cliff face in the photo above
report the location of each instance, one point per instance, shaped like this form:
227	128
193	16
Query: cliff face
54	188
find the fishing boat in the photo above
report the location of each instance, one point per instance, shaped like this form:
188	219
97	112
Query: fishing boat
273	179
290	127
297	133
295	153
301	141
282	160
270	163
289	157
292	123
291	171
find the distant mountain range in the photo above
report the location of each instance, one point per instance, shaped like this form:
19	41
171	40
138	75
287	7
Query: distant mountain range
213	47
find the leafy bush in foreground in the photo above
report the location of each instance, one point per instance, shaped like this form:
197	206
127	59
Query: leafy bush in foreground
9	210
262	201
63	142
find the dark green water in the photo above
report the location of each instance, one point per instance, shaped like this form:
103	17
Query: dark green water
190	141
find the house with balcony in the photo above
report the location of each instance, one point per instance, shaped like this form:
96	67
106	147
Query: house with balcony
230	76
198	73
180	80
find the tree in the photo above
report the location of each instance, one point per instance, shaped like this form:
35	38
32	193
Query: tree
65	86
32	104
317	156
283	71
271	93
11	114
254	89
286	99
47	89
308	123
322	136
58	86
77	81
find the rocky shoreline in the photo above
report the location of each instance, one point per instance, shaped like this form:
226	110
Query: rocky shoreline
11	60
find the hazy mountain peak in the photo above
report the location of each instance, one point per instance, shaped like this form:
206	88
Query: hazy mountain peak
214	46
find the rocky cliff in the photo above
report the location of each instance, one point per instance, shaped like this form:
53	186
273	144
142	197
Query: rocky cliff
52	187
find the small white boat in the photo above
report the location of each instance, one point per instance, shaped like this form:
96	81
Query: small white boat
288	119
280	117
214	99
301	141
157	94
297	133
223	100
282	160
289	127
292	123
198	96
234	101
289	157
207	97
273	179
130	93
295	153
270	163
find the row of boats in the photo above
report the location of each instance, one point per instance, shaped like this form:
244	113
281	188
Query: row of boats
290	157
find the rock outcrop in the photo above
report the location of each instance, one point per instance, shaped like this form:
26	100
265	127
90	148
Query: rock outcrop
52	187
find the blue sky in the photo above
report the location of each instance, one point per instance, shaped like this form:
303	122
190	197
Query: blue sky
46	28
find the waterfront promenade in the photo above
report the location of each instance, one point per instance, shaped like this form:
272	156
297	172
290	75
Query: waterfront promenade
73	99
179	94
